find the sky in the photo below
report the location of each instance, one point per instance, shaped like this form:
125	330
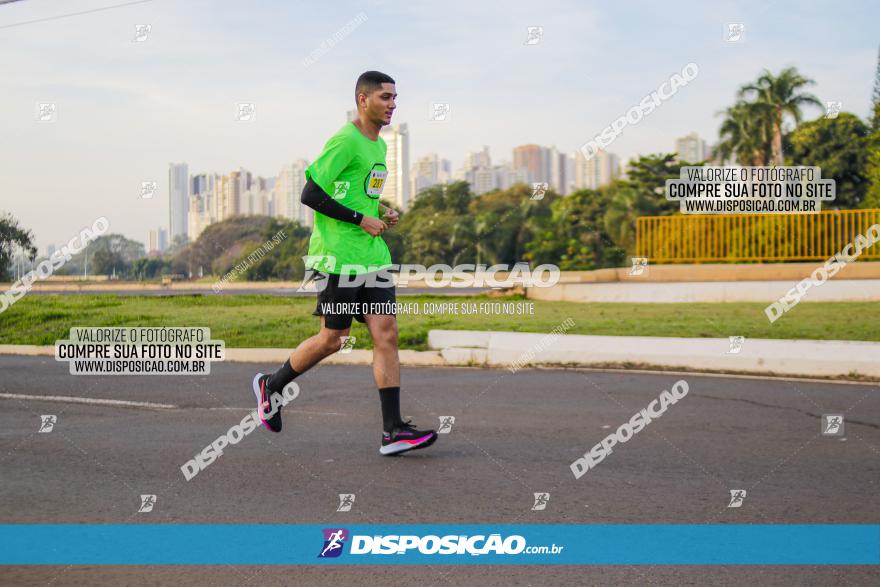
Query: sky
125	109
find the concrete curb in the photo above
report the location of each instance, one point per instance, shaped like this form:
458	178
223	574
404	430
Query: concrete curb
850	290
514	351
408	358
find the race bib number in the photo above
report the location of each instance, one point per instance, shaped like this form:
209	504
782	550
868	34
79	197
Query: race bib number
376	181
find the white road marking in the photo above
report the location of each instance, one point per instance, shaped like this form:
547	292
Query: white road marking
88	400
150	405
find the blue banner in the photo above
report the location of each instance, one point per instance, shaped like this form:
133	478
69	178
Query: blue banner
563	544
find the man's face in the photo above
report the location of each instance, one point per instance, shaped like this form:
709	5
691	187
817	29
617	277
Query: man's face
380	104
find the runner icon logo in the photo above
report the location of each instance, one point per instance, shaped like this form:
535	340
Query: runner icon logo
347	344
539	189
47	423
446	423
832	109
832	424
334	540
147	503
148	189
346	500
340	188
736	345
541	500
639	265
737	496
735	32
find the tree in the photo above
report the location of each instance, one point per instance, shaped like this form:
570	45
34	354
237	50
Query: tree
439	228
11	235
505	223
220	246
875	98
872	166
149	267
643	193
282	244
840	146
776	97
113	253
573	236
746	135
178	243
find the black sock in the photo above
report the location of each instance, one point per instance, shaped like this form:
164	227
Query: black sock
281	377
390	398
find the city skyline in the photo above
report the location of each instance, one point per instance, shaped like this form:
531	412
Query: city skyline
213	197
209	197
125	108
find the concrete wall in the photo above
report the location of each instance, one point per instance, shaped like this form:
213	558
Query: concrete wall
720	272
834	290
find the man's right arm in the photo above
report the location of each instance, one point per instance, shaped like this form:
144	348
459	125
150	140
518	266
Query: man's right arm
319	201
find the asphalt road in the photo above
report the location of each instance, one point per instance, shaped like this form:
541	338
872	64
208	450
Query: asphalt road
514	435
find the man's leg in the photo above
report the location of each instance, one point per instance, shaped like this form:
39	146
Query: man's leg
309	353
313	350
386	362
398	436
386	367
303	358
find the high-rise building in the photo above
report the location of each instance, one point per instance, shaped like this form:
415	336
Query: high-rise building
478	172
561	171
239	183
288	190
483	181
163	240
474	160
178	198
157	241
536	160
233	194
198	218
221	197
506	176
691	148
597	171
427	171
397	183
570	179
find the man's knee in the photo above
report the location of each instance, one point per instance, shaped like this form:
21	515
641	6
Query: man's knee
331	340
385	334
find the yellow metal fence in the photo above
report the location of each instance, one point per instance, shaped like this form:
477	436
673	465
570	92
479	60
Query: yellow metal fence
752	237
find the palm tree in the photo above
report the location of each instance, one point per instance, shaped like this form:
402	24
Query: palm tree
746	134
776	96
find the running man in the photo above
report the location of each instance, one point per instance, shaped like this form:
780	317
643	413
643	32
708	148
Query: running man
347	233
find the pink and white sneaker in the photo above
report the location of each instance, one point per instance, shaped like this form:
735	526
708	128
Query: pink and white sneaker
405	437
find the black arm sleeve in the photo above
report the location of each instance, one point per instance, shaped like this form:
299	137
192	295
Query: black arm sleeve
319	201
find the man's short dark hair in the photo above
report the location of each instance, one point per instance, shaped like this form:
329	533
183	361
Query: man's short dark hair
369	82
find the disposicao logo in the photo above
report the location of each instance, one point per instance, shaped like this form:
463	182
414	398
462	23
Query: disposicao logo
334	540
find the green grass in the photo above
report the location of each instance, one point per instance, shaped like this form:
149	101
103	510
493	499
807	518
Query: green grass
269	321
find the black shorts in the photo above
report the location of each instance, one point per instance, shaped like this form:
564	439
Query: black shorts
366	298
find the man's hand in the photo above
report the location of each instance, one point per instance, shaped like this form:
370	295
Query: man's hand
373	226
391	216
